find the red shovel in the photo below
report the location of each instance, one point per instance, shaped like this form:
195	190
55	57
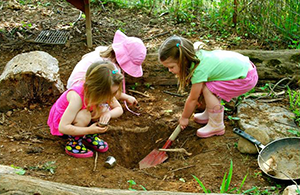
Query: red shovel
157	157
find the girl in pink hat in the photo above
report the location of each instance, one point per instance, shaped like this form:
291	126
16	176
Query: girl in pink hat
214	75
82	111
127	53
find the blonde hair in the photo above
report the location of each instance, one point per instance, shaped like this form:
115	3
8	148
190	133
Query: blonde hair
182	50
99	79
108	53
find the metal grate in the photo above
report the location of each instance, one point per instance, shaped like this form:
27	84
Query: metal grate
52	37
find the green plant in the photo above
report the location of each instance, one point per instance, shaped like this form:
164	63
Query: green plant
132	183
133	87
48	166
225	182
294	132
263	191
294	101
19	170
148	85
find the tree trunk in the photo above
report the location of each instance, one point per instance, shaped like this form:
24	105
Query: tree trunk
29	78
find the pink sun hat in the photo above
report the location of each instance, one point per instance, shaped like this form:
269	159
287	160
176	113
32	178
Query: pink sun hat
130	53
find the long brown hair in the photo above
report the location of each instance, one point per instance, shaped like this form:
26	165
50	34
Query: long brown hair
109	53
182	50
99	79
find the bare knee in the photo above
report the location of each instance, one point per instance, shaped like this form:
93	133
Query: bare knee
83	118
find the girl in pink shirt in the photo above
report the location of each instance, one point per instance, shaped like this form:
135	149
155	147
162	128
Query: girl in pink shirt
127	54
84	110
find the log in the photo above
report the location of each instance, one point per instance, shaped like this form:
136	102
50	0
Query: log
30	78
11	183
275	65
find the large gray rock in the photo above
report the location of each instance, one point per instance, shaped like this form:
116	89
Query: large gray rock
29	78
264	122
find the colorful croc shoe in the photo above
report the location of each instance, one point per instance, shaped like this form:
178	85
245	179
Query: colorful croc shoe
76	148
94	142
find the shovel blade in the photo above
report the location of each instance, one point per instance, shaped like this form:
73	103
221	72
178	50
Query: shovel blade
153	158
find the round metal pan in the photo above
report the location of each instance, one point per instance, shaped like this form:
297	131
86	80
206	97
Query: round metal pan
279	159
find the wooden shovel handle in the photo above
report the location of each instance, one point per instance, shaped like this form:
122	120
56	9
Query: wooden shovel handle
175	133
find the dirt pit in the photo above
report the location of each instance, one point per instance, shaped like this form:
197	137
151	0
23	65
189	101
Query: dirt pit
26	142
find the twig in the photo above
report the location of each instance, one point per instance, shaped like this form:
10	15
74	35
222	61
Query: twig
175	94
286	78
272	89
95	162
181	150
77	18
263	94
271	100
138	92
102	5
186	167
154	36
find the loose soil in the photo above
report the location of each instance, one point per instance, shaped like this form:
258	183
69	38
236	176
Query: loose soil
26	141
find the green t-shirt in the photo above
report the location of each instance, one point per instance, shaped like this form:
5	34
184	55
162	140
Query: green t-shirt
219	65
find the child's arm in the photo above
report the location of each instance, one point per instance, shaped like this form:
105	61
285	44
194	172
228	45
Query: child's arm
128	98
190	104
115	111
65	124
116	108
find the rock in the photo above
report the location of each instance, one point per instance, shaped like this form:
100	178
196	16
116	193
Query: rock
245	146
30	78
290	190
264	122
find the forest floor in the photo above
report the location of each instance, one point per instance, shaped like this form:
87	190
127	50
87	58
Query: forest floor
26	141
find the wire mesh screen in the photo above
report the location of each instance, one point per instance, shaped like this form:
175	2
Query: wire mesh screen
52	37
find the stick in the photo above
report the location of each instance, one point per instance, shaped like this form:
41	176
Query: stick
95	162
271	100
181	150
80	14
186	167
175	94
138	92
154	36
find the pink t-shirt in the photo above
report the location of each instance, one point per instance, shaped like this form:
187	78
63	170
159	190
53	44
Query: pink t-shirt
59	107
81	67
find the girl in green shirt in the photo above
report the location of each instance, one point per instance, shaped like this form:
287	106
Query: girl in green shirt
215	75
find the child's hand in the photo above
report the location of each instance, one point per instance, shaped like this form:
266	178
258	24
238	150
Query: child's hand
183	122
131	100
104	118
94	128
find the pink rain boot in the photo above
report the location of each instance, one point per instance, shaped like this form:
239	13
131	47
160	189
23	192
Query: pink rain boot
201	118
215	125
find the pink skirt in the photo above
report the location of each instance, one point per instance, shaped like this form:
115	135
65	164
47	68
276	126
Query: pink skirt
227	90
